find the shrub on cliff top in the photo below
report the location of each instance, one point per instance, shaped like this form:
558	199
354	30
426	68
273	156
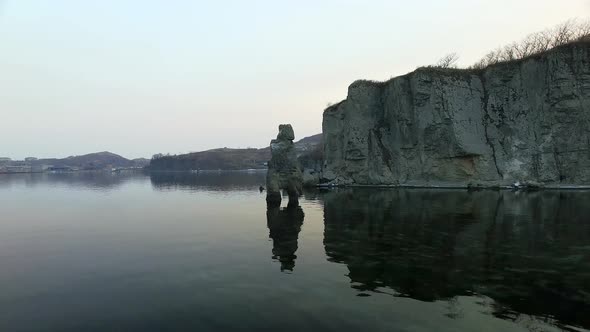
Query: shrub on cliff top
568	32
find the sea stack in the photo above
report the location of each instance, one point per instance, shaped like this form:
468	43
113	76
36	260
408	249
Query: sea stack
283	169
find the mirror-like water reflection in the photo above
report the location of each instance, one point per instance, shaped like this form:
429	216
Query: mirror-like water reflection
175	252
215	181
529	252
284	226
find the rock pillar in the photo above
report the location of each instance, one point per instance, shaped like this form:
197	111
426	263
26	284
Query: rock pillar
283	169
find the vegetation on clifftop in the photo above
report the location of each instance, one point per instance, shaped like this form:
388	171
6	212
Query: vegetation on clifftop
569	32
536	44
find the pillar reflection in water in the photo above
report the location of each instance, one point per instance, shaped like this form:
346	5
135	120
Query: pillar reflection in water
284	225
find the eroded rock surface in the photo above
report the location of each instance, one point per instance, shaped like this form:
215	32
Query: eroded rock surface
283	168
524	121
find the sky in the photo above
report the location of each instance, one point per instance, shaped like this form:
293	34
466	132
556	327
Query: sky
143	77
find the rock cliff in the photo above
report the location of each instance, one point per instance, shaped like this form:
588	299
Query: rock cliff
526	120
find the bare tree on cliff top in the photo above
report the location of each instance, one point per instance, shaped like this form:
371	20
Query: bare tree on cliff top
536	43
448	61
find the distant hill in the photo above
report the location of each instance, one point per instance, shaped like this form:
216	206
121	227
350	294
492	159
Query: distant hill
98	160
308	144
310	140
226	159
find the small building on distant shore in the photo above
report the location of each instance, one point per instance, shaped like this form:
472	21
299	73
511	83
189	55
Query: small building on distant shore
60	169
17	169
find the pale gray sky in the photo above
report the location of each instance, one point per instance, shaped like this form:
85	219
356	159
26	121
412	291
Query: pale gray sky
141	77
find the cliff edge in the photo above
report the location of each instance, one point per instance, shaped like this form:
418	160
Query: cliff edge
521	121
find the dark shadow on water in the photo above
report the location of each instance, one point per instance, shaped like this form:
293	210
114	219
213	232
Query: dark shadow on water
529	252
284	225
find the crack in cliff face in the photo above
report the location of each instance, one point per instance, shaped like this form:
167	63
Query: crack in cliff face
383	124
562	177
486	118
384	151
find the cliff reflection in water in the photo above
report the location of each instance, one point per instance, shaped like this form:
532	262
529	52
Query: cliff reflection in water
529	252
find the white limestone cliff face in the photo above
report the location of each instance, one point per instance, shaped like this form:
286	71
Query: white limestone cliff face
527	120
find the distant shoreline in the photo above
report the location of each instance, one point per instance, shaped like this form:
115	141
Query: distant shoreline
118	170
251	170
458	187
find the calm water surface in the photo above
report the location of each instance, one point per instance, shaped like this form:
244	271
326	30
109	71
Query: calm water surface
174	252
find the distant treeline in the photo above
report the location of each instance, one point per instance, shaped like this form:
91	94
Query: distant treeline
226	159
308	149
